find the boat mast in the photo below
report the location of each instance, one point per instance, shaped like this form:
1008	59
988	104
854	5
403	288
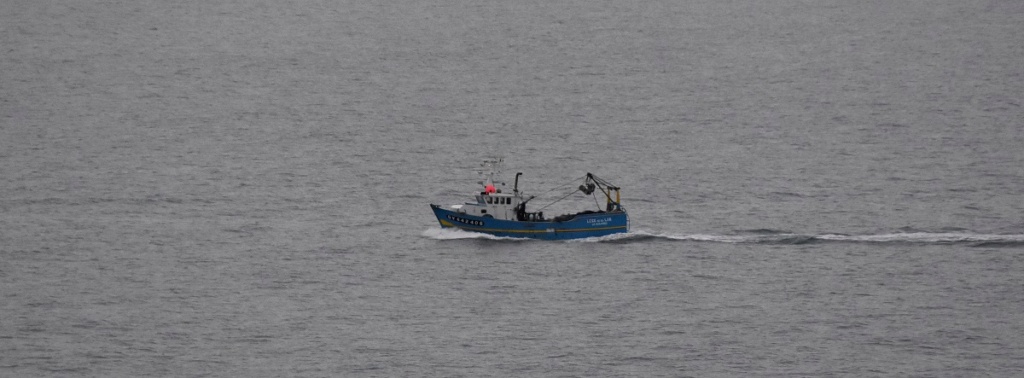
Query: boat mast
488	169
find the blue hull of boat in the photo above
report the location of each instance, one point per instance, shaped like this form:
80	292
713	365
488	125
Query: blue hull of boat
580	226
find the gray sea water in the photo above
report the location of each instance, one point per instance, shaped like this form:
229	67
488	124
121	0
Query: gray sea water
240	188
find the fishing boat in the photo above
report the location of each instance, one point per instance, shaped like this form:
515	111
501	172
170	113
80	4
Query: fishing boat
495	212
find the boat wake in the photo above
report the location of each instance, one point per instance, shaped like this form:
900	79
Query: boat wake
769	237
457	234
917	238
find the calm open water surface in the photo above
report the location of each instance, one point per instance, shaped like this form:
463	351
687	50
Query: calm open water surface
240	188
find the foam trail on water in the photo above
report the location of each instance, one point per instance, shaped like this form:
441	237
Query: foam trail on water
458	234
638	236
927	237
891	238
641	235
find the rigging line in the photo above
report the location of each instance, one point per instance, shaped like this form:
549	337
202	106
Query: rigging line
592	194
561	186
556	201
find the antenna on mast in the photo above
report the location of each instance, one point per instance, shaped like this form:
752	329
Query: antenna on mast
490	168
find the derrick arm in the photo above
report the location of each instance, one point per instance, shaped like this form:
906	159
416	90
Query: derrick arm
606	188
